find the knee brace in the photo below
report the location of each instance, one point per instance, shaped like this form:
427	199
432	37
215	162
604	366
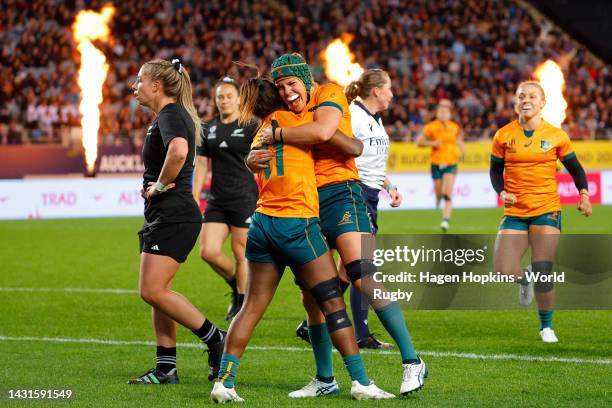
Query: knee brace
446	197
545	269
360	269
337	320
326	290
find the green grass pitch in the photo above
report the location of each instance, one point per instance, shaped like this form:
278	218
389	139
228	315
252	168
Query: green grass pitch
103	253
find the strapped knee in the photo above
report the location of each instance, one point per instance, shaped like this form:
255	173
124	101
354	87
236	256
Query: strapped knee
326	290
446	197
337	320
544	284
360	269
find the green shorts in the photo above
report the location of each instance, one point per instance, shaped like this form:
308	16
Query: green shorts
342	209
437	170
284	241
522	223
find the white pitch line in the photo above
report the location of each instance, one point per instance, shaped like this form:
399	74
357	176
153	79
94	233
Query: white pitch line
469	356
72	290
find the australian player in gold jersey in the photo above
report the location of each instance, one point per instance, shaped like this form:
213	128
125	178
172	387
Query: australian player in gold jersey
446	141
286	232
526	151
344	220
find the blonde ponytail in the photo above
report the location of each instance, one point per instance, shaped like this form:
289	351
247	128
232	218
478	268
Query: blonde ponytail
352	91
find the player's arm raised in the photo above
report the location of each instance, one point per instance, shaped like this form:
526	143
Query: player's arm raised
320	130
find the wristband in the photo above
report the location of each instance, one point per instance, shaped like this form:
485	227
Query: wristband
274	127
161	187
390	188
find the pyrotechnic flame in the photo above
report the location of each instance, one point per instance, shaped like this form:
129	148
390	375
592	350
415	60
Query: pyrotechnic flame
339	61
550	76
90	26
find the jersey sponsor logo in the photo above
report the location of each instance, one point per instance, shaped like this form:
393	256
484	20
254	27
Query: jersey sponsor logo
346	219
211	132
238	133
545	145
155	248
223	144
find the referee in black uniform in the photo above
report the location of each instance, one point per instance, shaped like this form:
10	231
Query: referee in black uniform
172	218
233	194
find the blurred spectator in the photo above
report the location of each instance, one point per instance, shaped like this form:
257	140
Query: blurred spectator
471	51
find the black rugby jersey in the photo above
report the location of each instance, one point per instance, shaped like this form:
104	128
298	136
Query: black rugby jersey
176	204
227	144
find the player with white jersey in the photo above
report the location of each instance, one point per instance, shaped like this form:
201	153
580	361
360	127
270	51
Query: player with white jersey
373	88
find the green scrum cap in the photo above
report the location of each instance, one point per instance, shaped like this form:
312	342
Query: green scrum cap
292	65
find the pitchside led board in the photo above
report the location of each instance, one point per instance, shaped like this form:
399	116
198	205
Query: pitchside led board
115	191
119	196
435	272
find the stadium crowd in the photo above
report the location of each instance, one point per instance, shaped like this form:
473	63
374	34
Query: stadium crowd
473	52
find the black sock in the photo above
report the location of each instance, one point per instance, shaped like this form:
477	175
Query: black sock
326	380
232	284
166	359
208	333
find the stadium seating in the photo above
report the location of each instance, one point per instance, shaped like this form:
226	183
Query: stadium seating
443	49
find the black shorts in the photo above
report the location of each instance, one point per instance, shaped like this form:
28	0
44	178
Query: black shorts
172	239
370	196
233	214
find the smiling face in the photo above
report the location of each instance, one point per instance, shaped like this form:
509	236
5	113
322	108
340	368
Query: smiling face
529	101
145	90
227	99
293	92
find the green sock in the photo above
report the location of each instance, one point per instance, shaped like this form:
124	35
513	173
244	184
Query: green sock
393	320
545	318
322	349
354	366
227	371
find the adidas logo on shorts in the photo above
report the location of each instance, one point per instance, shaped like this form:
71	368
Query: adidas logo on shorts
155	248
